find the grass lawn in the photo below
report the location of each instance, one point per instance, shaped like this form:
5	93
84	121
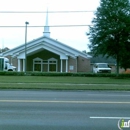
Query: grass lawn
63	83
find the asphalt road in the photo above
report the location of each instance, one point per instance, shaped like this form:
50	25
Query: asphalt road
63	110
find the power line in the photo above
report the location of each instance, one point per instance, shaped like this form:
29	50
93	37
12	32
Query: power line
82	11
44	26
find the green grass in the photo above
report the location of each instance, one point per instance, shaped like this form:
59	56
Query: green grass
63	83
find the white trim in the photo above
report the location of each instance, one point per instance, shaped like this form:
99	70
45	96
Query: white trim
48	66
76	64
55	46
52	60
66	65
41	62
61	66
23	65
19	65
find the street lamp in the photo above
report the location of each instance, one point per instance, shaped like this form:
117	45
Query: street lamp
26	23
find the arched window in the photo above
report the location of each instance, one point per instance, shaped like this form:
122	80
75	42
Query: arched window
49	65
52	65
37	64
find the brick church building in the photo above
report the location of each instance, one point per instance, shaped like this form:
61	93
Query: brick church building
45	54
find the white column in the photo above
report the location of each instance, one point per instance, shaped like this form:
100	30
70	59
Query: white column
76	64
56	66
66	65
19	65
23	65
41	66
33	65
61	66
48	66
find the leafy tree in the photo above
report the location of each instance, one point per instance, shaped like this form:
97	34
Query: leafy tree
110	33
4	49
125	61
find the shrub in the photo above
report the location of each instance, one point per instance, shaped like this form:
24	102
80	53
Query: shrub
6	73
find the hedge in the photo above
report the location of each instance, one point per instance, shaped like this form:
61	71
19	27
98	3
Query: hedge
7	73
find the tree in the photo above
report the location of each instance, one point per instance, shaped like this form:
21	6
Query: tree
110	33
4	49
125	61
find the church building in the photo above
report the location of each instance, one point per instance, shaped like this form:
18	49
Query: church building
45	54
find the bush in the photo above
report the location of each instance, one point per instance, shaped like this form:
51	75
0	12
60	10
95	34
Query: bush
71	74
12	73
9	73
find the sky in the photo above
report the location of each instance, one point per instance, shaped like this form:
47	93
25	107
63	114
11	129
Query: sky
75	36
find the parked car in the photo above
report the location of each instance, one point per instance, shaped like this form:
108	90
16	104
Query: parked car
101	68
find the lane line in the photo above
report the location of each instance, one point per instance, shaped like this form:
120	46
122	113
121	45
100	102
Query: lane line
109	95
59	101
94	117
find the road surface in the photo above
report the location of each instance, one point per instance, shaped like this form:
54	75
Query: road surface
63	110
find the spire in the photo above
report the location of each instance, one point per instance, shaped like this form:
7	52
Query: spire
46	27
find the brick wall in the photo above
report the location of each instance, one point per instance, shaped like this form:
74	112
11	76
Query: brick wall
72	65
80	64
83	64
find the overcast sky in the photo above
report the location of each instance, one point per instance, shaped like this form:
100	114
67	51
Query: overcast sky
73	36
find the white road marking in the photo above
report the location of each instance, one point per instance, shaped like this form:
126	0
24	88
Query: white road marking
96	117
109	95
65	101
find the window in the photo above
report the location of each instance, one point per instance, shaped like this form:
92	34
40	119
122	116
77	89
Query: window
71	67
37	64
52	64
45	65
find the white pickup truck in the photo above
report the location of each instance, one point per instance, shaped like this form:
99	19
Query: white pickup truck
101	68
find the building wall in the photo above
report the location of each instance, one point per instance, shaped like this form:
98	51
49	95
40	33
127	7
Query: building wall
64	65
79	64
121	70
45	55
83	64
72	65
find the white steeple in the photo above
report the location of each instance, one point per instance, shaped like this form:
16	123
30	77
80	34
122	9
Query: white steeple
46	27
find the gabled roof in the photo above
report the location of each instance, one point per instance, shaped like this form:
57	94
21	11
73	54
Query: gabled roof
48	44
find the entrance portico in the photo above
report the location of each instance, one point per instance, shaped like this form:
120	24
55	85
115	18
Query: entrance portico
44	61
